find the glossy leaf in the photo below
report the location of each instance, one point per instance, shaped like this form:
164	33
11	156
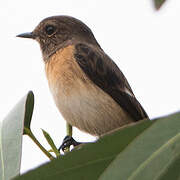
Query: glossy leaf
155	166
141	154
90	160
172	170
11	131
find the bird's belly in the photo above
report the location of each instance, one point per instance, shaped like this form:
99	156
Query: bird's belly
91	110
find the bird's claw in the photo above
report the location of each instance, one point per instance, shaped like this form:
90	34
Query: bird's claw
67	142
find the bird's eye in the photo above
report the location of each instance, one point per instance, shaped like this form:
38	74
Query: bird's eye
50	30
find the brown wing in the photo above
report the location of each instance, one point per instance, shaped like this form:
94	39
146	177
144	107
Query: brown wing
101	70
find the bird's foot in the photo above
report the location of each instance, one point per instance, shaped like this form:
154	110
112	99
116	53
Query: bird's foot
67	142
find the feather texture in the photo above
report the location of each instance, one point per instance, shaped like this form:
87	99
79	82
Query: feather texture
103	72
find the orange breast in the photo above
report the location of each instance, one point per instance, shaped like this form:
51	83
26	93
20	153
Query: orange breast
63	72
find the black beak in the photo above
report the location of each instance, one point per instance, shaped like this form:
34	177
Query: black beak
26	35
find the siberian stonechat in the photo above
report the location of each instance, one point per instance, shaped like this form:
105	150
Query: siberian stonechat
89	89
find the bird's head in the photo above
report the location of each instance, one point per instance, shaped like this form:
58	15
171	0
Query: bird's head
56	32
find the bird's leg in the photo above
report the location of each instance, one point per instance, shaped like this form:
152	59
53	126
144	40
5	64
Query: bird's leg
67	142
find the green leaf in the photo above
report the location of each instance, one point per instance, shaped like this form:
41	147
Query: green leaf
138	161
172	170
158	3
51	143
29	110
157	163
11	131
91	159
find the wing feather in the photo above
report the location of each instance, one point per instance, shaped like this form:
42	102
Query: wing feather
102	71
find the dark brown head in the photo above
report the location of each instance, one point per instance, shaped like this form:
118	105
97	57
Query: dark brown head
56	32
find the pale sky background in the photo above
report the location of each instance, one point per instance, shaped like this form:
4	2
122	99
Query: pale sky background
144	43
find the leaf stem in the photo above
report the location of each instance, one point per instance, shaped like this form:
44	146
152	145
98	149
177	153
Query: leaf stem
31	135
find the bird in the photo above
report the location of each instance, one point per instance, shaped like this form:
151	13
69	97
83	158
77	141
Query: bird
88	88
